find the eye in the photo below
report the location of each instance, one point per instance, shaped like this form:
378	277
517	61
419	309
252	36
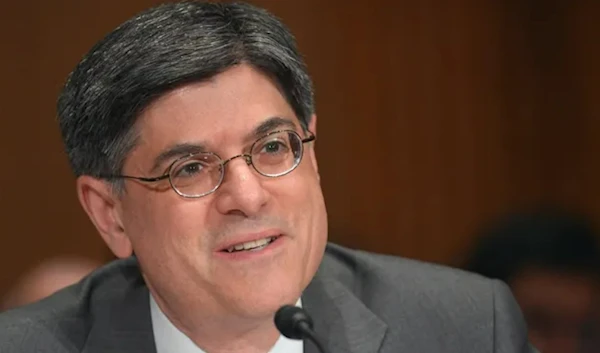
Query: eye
276	146
190	169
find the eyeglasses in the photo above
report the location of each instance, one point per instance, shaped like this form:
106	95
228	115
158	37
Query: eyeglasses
199	174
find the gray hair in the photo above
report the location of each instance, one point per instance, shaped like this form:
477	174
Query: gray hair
161	49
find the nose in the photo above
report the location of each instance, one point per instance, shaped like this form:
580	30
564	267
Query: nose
241	191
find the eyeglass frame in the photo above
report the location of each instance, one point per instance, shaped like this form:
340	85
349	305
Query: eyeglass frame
247	158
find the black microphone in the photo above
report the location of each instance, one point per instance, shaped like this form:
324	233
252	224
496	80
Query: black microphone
293	322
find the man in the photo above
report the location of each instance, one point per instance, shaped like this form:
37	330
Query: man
551	260
191	130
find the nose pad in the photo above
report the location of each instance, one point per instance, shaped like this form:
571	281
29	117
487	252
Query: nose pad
247	158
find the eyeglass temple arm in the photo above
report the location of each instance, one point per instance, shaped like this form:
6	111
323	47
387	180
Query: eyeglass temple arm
310	138
149	180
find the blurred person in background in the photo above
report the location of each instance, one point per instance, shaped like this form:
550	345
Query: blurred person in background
45	279
551	260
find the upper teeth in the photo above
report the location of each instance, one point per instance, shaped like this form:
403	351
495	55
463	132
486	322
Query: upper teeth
251	244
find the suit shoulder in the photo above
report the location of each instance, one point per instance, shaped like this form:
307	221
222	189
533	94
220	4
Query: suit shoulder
408	293
395	271
39	326
60	322
377	278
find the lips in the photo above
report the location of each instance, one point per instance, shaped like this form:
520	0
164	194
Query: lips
253	245
250	242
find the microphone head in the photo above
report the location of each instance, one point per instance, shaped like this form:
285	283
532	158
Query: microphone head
292	322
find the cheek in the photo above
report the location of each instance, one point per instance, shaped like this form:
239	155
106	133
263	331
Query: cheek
302	198
163	223
294	198
303	183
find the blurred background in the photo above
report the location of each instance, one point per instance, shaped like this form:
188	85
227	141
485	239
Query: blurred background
435	118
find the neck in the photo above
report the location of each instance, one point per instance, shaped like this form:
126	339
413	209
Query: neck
222	334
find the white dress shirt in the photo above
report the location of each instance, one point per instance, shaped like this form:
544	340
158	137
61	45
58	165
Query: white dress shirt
169	339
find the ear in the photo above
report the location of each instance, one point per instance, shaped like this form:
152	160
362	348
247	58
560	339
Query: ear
312	127
102	206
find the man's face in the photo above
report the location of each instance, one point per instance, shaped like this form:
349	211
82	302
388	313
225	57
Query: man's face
180	242
559	308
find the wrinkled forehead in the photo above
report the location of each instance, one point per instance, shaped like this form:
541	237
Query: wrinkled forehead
230	109
234	101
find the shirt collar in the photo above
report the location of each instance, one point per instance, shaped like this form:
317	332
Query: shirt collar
169	338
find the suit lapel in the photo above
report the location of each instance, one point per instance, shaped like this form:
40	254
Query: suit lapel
343	322
128	328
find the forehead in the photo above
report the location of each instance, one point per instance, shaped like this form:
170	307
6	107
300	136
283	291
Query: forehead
219	110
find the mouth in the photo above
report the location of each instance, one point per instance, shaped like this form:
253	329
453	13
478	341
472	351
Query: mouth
251	246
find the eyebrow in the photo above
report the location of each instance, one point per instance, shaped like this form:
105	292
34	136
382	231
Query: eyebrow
274	123
176	151
183	149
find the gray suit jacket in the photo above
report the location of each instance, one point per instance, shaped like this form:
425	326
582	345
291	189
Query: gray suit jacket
360	303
